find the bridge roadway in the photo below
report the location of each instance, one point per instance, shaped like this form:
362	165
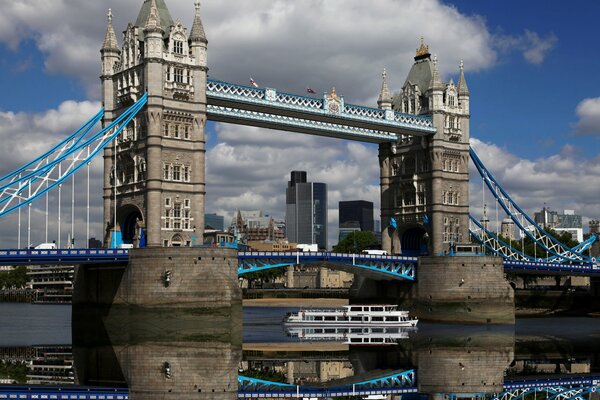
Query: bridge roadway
379	267
566	387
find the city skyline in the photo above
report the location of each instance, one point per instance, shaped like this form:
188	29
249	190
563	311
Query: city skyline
536	132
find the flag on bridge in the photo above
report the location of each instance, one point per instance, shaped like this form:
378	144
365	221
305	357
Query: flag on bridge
309	90
393	223
253	82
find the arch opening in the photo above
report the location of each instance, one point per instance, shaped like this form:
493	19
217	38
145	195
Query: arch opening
130	221
414	242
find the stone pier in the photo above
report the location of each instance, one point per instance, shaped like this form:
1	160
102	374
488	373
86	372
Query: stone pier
186	277
459	289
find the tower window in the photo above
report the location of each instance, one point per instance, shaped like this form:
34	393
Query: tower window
178	47
176	173
178	75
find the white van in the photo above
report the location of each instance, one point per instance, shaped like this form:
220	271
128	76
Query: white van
125	246
45	246
375	252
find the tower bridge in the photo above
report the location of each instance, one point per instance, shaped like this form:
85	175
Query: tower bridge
157	99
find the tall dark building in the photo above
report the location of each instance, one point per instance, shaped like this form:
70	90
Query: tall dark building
360	211
306	211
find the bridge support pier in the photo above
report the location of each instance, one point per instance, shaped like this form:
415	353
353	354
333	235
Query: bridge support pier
448	289
463	289
162	277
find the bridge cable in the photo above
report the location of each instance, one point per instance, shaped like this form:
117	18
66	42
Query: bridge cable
546	241
87	227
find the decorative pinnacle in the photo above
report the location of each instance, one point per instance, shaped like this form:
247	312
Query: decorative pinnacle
462	65
423	49
197	5
109	15
435	61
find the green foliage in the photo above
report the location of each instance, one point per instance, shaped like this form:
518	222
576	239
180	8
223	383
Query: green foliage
356	242
15	279
267	275
16	371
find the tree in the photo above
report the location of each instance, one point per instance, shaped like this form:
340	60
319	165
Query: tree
356	242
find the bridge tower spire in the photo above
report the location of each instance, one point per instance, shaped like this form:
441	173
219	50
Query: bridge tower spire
154	184
425	181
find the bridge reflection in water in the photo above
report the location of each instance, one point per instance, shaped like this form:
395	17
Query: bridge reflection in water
138	354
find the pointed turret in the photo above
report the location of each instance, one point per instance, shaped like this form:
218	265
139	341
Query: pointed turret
198	42
385	100
110	40
162	13
463	90
153	33
197	34
110	48
436	81
153	21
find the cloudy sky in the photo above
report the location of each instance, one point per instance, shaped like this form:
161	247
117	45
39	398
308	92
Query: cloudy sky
531	68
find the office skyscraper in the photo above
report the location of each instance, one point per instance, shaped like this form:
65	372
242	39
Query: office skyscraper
306	211
360	211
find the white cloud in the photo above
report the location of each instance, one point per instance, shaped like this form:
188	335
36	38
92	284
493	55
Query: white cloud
534	47
282	43
588	112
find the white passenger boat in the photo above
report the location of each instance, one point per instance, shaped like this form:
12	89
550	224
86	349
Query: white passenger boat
353	336
353	315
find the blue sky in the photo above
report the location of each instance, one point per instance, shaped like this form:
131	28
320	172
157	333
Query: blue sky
531	68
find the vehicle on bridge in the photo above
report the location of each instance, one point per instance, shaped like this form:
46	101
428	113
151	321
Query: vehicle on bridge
354	315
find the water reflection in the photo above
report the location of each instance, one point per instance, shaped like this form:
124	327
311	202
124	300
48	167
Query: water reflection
355	336
197	354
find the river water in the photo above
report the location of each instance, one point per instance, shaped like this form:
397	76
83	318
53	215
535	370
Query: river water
153	354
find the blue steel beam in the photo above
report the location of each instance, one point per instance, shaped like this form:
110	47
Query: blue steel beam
26	184
403	382
63	256
502	249
522	220
62	393
328	116
397	267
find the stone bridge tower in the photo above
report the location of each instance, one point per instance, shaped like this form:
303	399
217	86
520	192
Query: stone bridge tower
425	181
154	173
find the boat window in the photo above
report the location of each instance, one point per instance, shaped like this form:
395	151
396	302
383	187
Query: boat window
319	318
377	330
355	308
355	318
377	340
355	340
329	330
377	319
376	308
356	330
392	318
328	318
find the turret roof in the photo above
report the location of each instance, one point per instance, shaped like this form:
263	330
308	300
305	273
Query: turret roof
197	32
163	12
463	89
110	40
